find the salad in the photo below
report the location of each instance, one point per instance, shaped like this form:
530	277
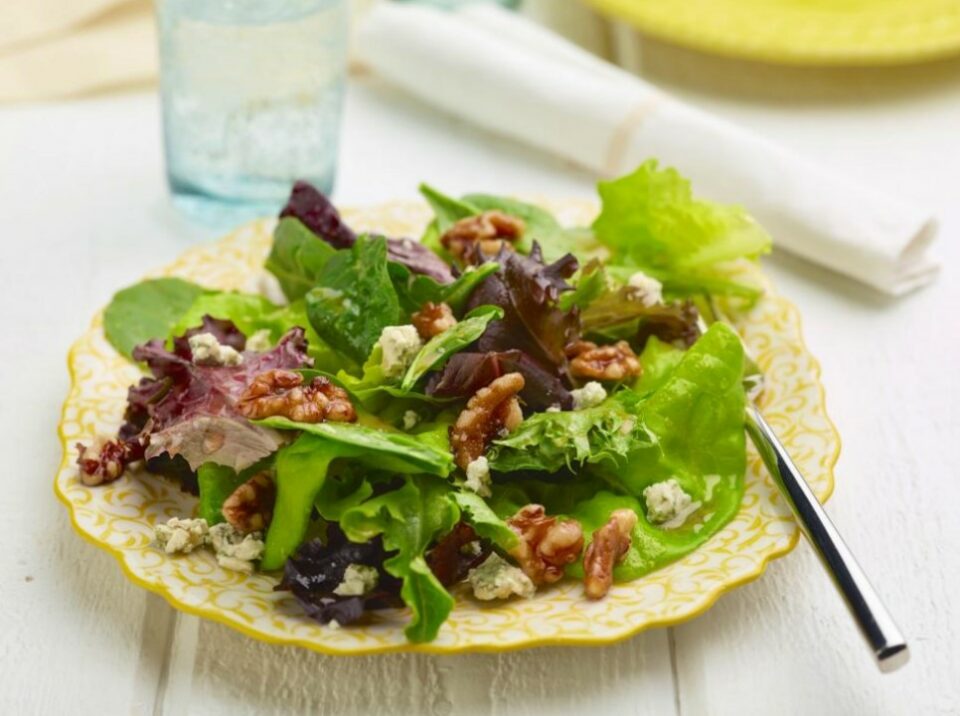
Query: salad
506	403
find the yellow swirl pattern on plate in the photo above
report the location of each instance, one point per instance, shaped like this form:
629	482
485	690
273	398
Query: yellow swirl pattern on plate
119	517
801	32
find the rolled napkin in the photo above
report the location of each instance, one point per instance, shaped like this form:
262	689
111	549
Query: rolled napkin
500	71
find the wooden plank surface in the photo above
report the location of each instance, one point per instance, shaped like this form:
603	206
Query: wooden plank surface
81	188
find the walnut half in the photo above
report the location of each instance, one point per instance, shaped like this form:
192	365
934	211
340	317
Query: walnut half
491	411
609	547
489	230
250	507
612	362
547	545
281	392
433	319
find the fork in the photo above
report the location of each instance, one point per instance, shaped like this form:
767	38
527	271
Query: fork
872	617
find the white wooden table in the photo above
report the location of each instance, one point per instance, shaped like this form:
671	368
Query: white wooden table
84	212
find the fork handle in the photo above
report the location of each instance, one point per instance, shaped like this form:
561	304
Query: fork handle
873	619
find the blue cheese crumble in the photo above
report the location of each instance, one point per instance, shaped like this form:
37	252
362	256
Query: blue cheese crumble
181	536
589	396
358	579
645	289
667	504
207	350
234	549
478	477
399	345
496	578
410	419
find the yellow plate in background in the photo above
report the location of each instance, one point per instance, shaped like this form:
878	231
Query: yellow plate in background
119	517
801	32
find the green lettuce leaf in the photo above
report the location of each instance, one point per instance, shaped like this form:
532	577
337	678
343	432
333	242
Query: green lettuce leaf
547	441
146	310
650	220
354	299
658	362
409	520
414	290
485	522
297	257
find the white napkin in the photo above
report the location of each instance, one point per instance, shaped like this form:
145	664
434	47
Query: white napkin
494	68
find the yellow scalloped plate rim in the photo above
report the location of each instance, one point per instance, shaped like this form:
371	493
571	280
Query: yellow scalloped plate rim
801	32
119	517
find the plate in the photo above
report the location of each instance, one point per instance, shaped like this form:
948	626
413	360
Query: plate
119	517
801	32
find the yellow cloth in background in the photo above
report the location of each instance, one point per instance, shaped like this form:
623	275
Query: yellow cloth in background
52	49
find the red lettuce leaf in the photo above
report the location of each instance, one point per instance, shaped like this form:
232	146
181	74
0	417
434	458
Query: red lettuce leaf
466	373
528	291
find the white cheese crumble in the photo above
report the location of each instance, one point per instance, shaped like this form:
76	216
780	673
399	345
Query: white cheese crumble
358	579
260	341
410	419
554	408
234	549
478	477
589	396
496	578
400	345
667	504
645	289
181	536
207	350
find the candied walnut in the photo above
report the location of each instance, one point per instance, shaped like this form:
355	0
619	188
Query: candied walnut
612	362
102	461
608	548
433	319
492	411
250	507
490	231
547	545
281	392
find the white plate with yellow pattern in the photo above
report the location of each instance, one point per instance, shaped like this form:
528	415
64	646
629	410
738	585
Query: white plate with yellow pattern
119	517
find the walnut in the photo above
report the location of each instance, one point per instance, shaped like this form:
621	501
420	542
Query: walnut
547	545
250	507
490	231
611	362
609	547
433	319
102	461
492	411
281	392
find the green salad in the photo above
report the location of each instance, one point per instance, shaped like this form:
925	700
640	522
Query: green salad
478	414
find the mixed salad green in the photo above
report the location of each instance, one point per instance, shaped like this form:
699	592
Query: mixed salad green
502	404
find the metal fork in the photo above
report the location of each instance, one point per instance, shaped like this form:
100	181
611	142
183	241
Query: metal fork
872	617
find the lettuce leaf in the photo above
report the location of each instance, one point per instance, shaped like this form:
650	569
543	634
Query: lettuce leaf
149	309
485	522
650	219
414	290
553	441
409	519
354	299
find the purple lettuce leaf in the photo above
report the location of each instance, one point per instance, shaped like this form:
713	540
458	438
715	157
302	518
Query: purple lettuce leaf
466	373
528	291
317	568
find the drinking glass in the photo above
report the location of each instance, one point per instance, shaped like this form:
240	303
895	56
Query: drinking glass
252	93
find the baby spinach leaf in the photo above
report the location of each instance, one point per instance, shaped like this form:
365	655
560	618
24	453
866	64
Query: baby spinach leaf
409	520
354	299
439	348
413	290
297	257
447	210
149	309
